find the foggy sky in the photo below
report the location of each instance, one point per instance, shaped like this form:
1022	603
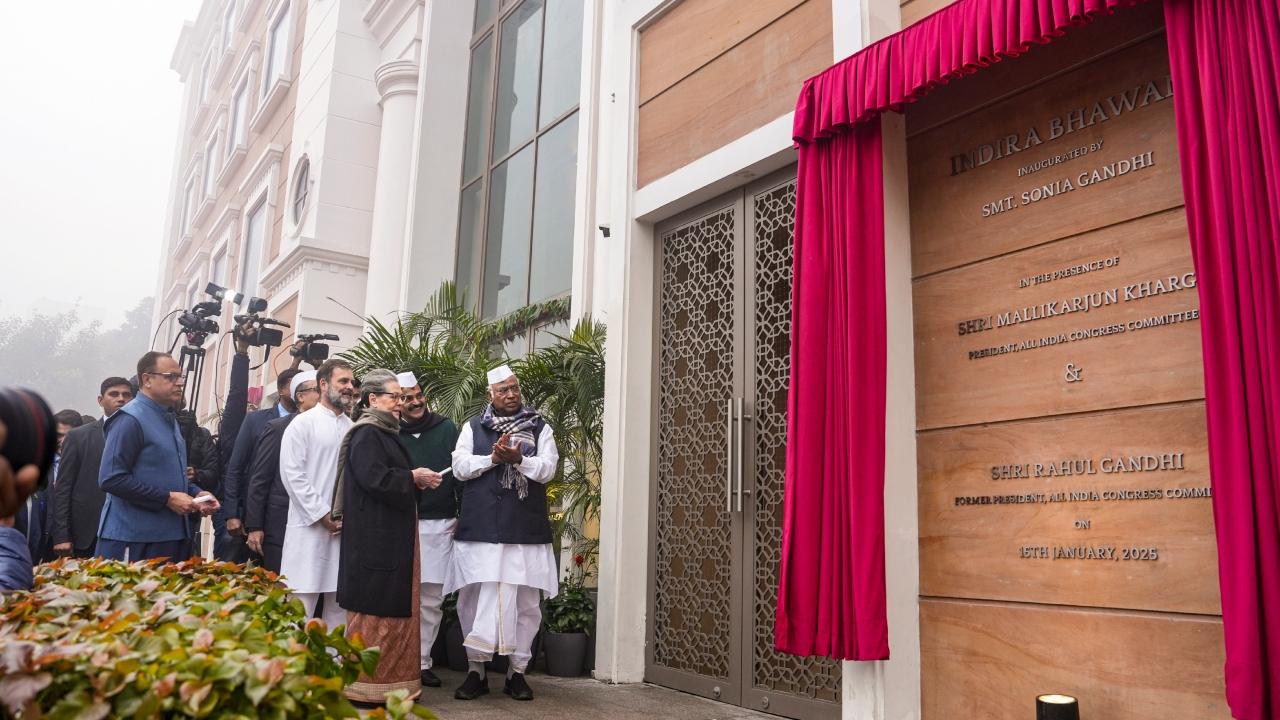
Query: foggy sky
90	113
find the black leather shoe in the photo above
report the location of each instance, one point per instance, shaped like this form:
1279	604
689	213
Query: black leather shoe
517	688
429	678
473	687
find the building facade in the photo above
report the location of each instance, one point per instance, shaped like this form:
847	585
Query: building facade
291	175
637	157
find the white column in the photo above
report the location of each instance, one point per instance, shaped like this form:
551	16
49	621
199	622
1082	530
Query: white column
397	83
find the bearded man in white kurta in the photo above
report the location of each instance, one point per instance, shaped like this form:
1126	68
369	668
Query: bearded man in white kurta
308	471
502	559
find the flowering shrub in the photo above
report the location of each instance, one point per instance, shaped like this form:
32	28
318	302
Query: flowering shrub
571	610
97	638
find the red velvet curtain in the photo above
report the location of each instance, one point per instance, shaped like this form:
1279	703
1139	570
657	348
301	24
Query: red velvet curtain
831	594
1225	57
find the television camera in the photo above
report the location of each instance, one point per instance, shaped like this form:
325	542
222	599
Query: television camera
199	322
312	351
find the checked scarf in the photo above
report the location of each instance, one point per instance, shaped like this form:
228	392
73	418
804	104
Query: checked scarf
519	427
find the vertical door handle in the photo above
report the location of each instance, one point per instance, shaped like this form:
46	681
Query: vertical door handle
728	437
738	469
743	417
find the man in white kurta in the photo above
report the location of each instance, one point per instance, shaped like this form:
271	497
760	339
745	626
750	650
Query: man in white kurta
502	558
308	471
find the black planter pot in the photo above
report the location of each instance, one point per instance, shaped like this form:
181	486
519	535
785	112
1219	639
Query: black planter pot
453	647
566	653
440	650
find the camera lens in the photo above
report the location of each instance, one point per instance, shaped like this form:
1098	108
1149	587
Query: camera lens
33	433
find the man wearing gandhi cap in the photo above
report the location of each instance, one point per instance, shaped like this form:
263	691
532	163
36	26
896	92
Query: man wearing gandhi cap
502	553
266	503
430	439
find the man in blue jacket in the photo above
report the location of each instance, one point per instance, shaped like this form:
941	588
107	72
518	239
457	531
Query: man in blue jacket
143	472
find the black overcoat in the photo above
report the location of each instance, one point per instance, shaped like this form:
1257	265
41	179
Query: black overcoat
379	526
77	499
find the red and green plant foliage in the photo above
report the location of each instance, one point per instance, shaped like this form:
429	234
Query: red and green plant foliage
96	639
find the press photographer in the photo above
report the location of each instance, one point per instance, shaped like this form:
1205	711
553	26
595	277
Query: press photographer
243	438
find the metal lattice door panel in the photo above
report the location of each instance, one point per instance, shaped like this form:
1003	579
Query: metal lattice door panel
723	363
777	682
694	641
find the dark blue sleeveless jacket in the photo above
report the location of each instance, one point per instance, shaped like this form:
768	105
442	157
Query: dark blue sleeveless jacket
493	514
162	464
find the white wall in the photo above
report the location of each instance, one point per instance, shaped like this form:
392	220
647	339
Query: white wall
433	222
624	284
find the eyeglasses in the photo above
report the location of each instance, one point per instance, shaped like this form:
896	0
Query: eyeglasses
394	396
512	390
171	377
305	390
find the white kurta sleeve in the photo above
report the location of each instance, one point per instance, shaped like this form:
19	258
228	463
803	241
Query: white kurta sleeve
541	467
466	464
293	472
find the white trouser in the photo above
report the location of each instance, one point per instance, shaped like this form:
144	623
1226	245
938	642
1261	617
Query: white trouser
333	615
499	618
430	595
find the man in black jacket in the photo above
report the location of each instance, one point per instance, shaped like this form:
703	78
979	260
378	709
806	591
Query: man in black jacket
77	499
203	467
266	502
240	437
35	518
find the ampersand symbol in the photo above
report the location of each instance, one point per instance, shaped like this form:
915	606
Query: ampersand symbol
1073	373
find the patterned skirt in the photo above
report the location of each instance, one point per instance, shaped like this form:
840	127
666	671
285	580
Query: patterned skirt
400	665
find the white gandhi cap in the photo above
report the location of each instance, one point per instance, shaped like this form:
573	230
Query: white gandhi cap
298	379
500	373
407	380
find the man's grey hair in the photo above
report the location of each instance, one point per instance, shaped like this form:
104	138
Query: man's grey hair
375	381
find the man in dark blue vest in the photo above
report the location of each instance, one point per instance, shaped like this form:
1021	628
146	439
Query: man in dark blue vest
144	472
502	559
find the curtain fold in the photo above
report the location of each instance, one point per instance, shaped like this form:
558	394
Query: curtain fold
831	599
1225	58
958	40
831	593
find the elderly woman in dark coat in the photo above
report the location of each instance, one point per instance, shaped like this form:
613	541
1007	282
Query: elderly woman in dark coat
376	498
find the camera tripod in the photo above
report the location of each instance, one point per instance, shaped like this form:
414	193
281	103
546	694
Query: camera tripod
191	359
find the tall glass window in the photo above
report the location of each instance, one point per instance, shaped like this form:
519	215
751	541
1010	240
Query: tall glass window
278	45
210	166
515	230
239	118
255	235
218	275
228	23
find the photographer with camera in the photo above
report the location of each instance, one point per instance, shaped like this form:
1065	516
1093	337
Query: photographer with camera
144	471
240	433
